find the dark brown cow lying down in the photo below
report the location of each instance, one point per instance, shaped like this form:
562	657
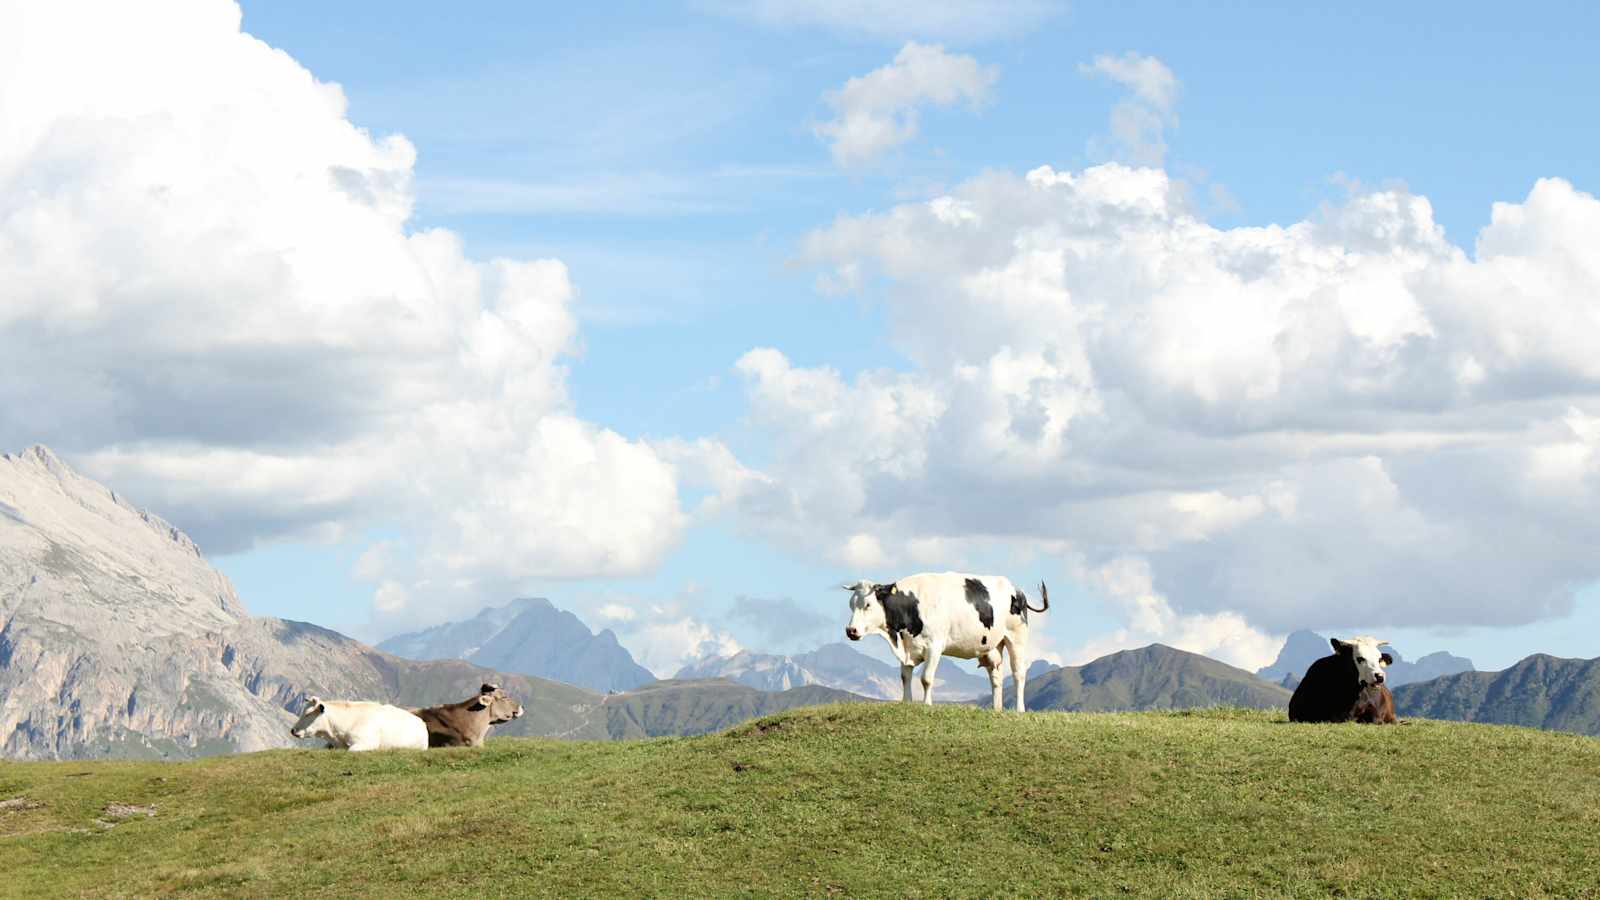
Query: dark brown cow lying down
464	724
1347	686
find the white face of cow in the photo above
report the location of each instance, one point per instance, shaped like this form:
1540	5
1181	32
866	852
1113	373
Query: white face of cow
311	722
866	613
1369	660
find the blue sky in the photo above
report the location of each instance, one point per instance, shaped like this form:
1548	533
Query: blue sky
675	159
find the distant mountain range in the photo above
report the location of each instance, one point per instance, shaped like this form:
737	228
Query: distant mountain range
533	637
118	639
1540	692
1153	677
1306	647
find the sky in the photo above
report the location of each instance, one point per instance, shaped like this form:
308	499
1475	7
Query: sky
1222	322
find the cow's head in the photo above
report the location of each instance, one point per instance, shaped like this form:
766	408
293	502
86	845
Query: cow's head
866	611
501	707
503	710
310	723
1364	652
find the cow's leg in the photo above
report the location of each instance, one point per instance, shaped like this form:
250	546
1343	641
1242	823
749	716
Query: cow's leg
991	662
905	680
1019	670
928	670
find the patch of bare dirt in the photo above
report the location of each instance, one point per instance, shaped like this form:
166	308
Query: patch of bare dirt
117	813
128	811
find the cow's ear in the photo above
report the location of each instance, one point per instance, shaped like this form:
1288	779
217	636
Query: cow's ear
1386	659
488	688
1339	646
320	708
313	700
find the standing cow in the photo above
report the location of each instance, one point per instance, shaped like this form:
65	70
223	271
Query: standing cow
466	723
1347	686
924	617
359	725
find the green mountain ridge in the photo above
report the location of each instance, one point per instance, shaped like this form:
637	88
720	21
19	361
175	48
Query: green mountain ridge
1151	677
1541	691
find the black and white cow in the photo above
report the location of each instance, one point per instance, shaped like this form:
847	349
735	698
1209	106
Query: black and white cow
924	617
1349	685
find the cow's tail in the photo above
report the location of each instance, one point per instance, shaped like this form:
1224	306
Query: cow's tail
1044	594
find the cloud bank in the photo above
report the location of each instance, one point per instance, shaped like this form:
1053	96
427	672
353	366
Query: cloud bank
216	302
1228	433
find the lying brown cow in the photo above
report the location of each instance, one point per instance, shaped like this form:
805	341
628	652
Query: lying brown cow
464	724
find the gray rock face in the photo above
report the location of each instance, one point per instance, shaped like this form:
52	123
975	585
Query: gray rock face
1306	647
1427	668
1300	650
838	666
533	637
112	626
118	639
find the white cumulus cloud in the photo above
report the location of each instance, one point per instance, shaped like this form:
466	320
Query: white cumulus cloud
878	111
1139	122
215	300
1226	433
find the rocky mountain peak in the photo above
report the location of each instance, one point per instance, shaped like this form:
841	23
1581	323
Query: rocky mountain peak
69	544
118	639
1302	648
532	636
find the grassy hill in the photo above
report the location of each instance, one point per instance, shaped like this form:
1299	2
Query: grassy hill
846	800
1152	677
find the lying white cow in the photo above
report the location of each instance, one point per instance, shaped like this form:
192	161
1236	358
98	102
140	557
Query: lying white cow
927	616
360	725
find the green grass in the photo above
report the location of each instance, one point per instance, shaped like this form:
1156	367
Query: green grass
853	800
